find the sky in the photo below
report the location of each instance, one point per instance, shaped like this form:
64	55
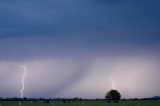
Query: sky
71	48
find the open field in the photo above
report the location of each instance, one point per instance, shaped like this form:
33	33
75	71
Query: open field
86	103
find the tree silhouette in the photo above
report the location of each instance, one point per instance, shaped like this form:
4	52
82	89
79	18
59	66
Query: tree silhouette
113	95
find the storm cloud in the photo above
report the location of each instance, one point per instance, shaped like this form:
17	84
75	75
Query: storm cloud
70	48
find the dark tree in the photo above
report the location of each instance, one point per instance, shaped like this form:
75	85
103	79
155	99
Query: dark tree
113	95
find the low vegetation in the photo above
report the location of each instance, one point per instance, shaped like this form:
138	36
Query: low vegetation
84	103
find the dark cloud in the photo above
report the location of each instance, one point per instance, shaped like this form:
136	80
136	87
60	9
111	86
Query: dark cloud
76	18
109	2
78	29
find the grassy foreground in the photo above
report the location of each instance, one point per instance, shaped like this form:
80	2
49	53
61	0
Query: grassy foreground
86	103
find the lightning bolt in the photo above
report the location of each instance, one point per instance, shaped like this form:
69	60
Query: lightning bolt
111	79
22	80
111	76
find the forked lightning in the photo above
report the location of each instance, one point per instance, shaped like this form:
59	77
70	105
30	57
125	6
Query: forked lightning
22	80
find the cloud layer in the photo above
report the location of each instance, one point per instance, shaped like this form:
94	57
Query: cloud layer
71	47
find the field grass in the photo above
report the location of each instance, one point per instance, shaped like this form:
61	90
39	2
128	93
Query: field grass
86	103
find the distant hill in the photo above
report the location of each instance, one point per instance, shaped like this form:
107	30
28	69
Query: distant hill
156	97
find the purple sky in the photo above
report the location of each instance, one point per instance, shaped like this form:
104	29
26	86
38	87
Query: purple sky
70	48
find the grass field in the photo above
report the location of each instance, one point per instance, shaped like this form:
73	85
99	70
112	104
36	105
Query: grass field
90	103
